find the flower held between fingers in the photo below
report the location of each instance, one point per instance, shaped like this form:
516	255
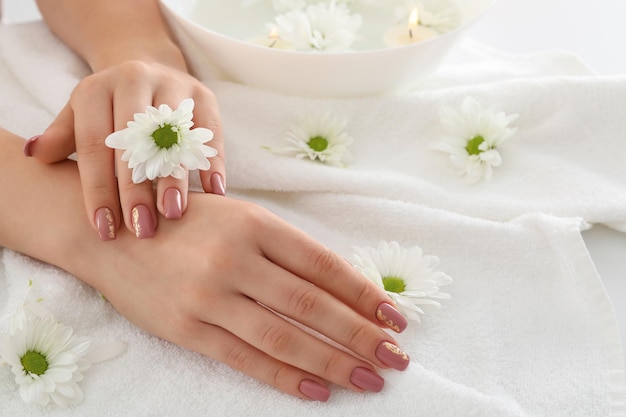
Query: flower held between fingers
161	143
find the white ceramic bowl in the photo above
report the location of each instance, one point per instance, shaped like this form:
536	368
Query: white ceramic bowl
219	30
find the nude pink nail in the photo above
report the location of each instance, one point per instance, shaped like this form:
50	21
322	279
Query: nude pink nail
105	223
367	380
217	184
391	317
28	144
392	356
314	390
142	222
172	204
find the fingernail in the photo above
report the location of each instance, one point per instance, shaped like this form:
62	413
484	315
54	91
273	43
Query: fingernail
391	317
367	380
172	204
105	224
314	390
217	184
28	144
142	222
392	356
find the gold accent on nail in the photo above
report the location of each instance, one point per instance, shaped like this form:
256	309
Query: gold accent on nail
395	350
136	225
388	322
110	223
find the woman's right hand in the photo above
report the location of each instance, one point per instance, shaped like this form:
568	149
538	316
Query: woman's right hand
214	281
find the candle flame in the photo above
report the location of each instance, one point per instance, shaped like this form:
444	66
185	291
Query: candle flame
414	18
413	21
273	33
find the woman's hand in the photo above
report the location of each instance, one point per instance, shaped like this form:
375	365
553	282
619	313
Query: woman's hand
214	282
103	103
217	281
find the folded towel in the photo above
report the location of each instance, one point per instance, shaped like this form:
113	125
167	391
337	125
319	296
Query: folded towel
528	330
566	158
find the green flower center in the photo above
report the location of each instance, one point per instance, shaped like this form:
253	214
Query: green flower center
318	143
394	284
473	144
34	363
165	136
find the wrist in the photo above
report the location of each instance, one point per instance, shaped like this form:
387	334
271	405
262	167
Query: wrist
163	51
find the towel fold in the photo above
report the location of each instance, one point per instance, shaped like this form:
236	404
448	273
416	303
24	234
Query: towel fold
528	330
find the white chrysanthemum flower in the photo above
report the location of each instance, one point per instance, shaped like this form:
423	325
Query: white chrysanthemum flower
161	143
473	137
319	139
47	360
319	27
406	274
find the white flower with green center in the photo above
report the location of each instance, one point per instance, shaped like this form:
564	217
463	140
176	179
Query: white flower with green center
473	137
47	360
161	143
319	139
319	27
406	274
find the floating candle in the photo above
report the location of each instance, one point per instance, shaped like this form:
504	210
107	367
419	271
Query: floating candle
413	32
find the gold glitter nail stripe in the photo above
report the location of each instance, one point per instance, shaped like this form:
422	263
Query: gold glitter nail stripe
110	223
388	322
396	350
136	225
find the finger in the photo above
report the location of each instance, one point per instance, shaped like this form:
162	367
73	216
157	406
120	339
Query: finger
307	304
206	114
317	264
287	343
57	142
93	122
219	344
172	196
137	199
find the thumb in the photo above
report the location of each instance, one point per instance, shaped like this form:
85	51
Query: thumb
58	141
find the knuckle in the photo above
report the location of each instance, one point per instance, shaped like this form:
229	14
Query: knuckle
239	359
362	292
325	262
276	339
281	377
304	301
329	364
356	335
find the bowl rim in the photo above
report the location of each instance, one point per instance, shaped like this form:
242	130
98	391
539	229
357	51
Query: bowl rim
332	54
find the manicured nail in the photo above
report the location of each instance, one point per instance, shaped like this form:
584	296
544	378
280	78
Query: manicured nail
391	317
217	184
105	224
142	222
28	144
392	356
367	380
172	204
314	390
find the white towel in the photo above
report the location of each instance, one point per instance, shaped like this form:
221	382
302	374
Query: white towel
528	331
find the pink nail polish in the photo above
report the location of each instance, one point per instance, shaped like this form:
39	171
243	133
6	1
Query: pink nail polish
172	204
391	317
314	390
142	222
392	356
217	184
105	224
28	144
367	380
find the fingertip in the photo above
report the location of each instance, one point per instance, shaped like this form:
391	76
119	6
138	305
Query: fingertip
28	146
217	184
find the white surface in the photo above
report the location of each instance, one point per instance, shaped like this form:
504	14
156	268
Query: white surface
592	30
